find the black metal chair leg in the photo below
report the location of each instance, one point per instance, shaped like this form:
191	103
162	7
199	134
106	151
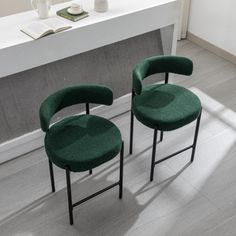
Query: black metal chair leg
69	195
195	137
51	176
153	154
121	171
131	132
161	137
90	171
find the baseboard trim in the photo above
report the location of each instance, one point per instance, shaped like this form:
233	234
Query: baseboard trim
34	140
21	145
211	47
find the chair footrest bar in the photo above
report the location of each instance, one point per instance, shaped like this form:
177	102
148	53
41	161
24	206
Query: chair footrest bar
95	194
174	154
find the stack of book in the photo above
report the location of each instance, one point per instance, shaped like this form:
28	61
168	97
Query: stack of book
64	13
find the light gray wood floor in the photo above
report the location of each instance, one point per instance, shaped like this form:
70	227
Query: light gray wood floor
184	199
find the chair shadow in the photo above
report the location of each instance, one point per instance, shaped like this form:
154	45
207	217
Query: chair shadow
99	216
129	206
146	187
95	217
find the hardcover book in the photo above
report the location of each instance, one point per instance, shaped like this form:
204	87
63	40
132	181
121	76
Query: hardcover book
64	13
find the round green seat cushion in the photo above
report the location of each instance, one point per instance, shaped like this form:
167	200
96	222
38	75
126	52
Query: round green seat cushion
82	142
166	107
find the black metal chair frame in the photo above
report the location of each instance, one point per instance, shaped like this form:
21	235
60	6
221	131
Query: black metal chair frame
154	162
71	205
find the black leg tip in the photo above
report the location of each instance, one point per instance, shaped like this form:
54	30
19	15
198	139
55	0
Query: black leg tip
151	178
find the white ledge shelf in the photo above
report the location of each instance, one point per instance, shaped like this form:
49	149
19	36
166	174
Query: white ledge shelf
125	19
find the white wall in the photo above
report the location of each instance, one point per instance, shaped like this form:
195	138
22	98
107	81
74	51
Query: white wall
215	22
8	7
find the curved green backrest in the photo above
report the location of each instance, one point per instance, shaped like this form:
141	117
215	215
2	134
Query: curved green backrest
160	64
70	96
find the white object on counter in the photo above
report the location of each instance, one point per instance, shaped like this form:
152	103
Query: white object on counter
42	7
101	5
75	9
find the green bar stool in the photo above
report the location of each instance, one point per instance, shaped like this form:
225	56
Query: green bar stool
163	107
80	142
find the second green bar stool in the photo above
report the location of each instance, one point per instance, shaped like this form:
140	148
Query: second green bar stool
80	142
163	107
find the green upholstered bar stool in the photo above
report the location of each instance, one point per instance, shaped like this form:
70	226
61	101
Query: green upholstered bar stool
80	142
163	107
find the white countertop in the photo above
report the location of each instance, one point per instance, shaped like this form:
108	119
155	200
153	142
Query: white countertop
125	19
